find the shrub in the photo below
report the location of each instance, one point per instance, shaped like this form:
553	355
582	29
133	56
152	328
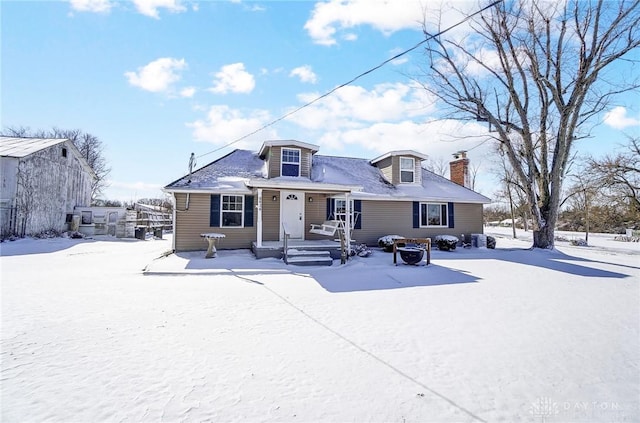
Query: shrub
446	242
491	242
386	242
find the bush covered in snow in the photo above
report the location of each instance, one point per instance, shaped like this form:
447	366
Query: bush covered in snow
446	242
491	242
386	242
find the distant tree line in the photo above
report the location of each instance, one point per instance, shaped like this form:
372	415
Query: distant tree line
602	194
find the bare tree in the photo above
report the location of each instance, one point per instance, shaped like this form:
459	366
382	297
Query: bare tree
538	73
439	166
90	147
581	195
619	174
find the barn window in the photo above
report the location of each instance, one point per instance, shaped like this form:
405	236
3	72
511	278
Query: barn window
64	152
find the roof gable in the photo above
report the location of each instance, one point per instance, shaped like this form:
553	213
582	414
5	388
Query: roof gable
410	153
22	147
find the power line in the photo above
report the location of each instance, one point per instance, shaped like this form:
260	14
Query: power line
328	93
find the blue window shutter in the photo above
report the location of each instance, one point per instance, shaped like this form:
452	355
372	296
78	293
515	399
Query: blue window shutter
331	204
416	214
450	214
248	211
357	207
214	214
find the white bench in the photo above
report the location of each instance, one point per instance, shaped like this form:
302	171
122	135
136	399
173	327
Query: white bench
327	228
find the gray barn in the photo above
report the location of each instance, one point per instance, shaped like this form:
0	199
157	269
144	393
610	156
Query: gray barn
43	179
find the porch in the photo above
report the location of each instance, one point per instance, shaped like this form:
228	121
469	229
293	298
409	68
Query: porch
275	249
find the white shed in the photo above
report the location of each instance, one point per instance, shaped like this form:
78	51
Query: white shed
43	179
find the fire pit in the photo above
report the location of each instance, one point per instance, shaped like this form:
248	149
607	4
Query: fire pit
411	255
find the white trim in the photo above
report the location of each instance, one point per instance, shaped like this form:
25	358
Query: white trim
259	219
301	185
301	198
232	211
413	169
282	162
400	153
283	143
434	203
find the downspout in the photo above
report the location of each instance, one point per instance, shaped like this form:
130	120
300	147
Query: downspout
259	224
175	221
347	226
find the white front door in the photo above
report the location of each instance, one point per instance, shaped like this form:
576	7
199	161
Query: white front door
292	213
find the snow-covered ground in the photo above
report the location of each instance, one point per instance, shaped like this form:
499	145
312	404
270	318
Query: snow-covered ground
107	330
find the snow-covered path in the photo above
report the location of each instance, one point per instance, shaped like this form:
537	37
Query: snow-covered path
481	335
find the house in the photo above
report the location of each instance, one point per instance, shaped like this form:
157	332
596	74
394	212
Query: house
254	198
43	179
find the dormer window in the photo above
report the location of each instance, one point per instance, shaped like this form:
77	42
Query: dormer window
290	162
407	170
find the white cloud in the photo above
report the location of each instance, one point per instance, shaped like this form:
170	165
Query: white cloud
97	6
305	73
150	7
334	17
355	106
157	76
233	78
617	118
187	92
223	125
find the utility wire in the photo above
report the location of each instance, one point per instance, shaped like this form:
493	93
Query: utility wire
328	93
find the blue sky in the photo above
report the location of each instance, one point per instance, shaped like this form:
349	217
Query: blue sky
158	79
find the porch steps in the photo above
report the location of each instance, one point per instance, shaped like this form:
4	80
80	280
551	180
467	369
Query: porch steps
308	257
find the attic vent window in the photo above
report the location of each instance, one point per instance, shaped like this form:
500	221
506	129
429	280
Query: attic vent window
64	152
407	170
290	162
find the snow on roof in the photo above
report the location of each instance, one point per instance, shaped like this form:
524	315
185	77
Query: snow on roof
400	153
286	143
228	173
21	147
240	168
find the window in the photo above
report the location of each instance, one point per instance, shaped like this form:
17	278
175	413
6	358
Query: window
290	162
232	209
64	152
433	214
407	169
340	212
86	217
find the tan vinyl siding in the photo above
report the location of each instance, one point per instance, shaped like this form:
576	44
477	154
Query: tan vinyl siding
274	156
191	223
381	218
386	167
270	216
314	212
305	163
274	160
395	170
390	168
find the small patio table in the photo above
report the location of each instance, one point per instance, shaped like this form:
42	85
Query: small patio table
212	238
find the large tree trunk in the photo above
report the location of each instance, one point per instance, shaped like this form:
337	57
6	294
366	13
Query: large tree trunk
544	227
543	237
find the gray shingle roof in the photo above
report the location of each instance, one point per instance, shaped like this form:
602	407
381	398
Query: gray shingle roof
234	171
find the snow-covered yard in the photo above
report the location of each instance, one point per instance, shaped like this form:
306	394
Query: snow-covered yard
480	335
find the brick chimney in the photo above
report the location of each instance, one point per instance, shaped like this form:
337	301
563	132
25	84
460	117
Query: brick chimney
459	169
